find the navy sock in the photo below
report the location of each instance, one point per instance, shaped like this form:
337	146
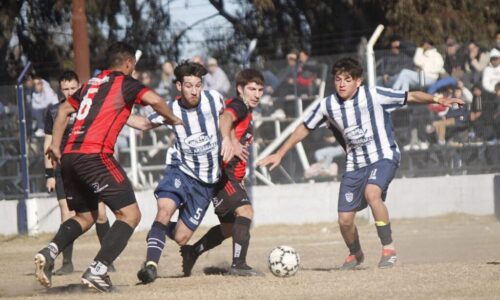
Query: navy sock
156	241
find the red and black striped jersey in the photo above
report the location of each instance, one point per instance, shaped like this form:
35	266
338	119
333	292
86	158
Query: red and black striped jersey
104	104
236	168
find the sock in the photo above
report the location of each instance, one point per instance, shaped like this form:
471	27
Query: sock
156	242
211	239
98	268
170	230
67	254
69	231
241	240
101	229
355	246
384	232
116	240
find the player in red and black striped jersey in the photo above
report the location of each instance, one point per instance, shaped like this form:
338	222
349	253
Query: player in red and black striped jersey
232	204
89	170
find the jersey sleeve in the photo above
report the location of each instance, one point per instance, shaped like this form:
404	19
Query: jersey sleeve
133	90
389	99
49	122
75	99
316	118
238	109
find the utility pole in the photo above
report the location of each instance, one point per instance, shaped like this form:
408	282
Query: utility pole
80	40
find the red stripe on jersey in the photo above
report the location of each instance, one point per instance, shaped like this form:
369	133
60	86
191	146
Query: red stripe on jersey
229	188
112	168
232	112
138	100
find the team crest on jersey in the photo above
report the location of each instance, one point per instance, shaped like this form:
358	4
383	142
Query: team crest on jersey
356	136
177	183
200	143
349	197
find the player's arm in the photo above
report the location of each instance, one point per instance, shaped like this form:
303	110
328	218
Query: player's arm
49	169
141	123
60	123
424	98
160	106
297	136
226	124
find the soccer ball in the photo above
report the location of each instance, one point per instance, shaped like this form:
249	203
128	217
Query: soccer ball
283	261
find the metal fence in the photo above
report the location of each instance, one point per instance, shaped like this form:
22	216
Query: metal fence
318	158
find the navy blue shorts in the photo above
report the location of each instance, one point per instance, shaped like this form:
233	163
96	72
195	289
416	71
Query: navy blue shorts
191	196
353	185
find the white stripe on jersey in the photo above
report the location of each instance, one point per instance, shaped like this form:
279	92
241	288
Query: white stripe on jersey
364	123
197	147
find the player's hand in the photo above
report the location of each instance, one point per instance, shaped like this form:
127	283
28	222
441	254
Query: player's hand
174	120
50	184
227	149
448	102
241	151
54	154
274	160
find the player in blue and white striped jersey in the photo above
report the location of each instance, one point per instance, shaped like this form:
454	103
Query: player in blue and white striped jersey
360	119
193	163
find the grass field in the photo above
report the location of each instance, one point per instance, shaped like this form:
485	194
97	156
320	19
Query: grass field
450	257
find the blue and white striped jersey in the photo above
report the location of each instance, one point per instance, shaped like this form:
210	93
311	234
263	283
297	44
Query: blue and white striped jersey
197	147
363	125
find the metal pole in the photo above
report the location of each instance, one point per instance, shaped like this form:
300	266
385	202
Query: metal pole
22	219
370	55
133	157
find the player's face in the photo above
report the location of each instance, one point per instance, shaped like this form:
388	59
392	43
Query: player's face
251	93
68	88
190	90
346	86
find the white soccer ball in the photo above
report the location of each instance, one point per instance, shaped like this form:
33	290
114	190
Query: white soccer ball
283	261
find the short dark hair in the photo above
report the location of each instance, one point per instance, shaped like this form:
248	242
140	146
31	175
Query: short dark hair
118	53
247	76
497	86
187	68
394	38
68	75
347	65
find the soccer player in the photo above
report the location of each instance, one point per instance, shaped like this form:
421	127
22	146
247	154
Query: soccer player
69	84
90	172
232	204
360	119
193	164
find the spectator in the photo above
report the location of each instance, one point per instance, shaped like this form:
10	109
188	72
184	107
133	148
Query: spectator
216	78
43	96
306	74
427	59
454	63
393	63
324	157
198	59
478	60
491	74
166	87
288	75
497	40
476	109
146	78
496	116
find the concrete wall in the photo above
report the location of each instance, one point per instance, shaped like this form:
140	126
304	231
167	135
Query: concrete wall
302	203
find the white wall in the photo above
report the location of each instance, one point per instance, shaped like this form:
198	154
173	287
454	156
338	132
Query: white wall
303	203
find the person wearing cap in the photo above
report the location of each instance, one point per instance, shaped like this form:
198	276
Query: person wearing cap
216	78
491	74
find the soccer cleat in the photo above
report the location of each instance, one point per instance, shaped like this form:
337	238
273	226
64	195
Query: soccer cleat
44	264
148	272
244	270
66	268
189	257
111	268
388	259
353	260
102	283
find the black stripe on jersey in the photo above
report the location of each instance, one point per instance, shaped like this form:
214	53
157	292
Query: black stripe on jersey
94	110
376	137
187	127
215	115
357	114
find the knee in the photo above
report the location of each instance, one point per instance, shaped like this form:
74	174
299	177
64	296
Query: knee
372	196
244	211
345	222
131	217
182	239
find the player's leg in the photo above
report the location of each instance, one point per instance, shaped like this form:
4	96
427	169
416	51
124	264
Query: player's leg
102	228
381	174
350	201
67	252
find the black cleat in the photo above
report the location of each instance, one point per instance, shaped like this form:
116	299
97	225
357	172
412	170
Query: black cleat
111	268
101	283
148	272
244	270
66	268
189	257
44	264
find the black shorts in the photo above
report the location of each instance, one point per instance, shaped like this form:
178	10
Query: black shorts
59	184
230	194
90	178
